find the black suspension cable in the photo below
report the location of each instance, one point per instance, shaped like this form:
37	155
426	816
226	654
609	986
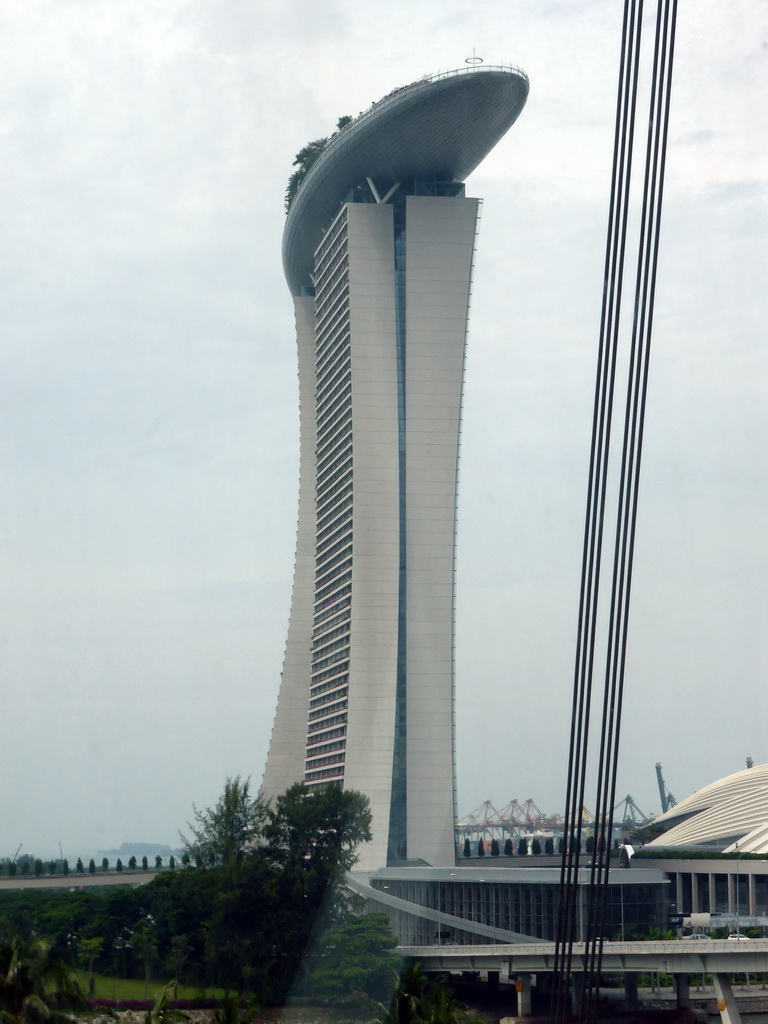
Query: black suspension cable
593	533
626	517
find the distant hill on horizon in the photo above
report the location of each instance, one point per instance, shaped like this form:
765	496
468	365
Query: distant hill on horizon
143	850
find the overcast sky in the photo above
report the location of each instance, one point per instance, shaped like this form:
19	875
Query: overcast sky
148	395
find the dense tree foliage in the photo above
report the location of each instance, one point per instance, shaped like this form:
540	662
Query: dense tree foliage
355	957
269	888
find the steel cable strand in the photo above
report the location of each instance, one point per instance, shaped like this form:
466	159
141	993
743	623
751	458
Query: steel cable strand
593	525
618	615
642	325
626	519
627	142
574	803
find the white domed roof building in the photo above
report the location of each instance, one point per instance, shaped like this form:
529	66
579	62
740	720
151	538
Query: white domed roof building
730	815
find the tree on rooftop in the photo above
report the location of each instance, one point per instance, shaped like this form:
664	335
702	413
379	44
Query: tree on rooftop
508	848
306	158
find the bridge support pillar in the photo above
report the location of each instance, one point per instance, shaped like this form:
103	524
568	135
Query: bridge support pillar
523	986
630	992
682	990
726	1003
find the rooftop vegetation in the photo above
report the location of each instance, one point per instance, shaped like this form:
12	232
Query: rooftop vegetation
307	157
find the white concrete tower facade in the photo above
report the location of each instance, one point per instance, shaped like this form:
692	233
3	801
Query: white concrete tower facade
378	254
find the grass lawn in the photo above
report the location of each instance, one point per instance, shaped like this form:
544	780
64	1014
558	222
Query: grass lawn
134	988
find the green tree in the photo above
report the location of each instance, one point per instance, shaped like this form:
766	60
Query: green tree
522	847
25	868
549	845
320	830
508	849
158	862
65	867
222	834
144	941
305	160
38	868
443	1008
590	844
407	1003
12	869
144	863
177	959
90	950
171	862
480	848
104	864
495	847
535	846
185	860
35	984
91	866
467	847
52	867
132	863
119	865
79	866
355	957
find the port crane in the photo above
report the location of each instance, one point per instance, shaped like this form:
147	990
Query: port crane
667	800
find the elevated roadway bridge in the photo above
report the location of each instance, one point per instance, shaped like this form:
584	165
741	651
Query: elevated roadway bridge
517	962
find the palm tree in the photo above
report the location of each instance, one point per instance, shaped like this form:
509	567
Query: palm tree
162	1012
444	1008
35	984
417	1001
407	1003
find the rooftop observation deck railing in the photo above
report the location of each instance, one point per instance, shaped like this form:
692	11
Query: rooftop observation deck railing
395	94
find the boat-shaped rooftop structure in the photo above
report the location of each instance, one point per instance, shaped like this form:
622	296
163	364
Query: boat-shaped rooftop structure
438	128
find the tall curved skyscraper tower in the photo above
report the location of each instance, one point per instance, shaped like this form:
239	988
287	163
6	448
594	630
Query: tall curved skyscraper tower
377	252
